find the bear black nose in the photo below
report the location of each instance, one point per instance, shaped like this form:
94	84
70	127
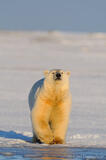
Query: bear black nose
58	75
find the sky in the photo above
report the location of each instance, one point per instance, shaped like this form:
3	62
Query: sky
62	15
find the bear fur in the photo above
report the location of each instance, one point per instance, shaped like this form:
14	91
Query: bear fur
50	104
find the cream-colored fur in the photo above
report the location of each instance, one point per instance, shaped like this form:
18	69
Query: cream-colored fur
50	114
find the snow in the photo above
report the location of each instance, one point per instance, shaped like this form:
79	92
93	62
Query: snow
23	58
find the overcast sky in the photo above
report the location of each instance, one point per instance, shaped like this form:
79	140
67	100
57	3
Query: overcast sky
66	15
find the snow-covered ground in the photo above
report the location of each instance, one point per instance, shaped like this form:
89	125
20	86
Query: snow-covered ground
23	58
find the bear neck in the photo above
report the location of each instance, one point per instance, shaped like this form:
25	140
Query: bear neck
55	91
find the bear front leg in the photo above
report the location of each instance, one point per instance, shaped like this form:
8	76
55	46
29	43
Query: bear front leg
40	122
60	131
60	123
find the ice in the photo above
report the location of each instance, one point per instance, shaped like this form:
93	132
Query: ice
23	58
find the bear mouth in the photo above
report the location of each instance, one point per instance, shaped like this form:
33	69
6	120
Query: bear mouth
57	79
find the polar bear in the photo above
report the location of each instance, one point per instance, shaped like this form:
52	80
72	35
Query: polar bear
50	103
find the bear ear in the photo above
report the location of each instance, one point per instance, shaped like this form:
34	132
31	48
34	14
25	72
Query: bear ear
46	72
68	73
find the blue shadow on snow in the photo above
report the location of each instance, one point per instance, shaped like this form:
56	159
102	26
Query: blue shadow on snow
14	135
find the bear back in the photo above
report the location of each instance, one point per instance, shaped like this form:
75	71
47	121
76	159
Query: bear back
32	94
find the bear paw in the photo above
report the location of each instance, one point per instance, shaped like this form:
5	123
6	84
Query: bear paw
36	140
47	139
58	140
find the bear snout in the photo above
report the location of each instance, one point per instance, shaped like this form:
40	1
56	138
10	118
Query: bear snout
58	76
